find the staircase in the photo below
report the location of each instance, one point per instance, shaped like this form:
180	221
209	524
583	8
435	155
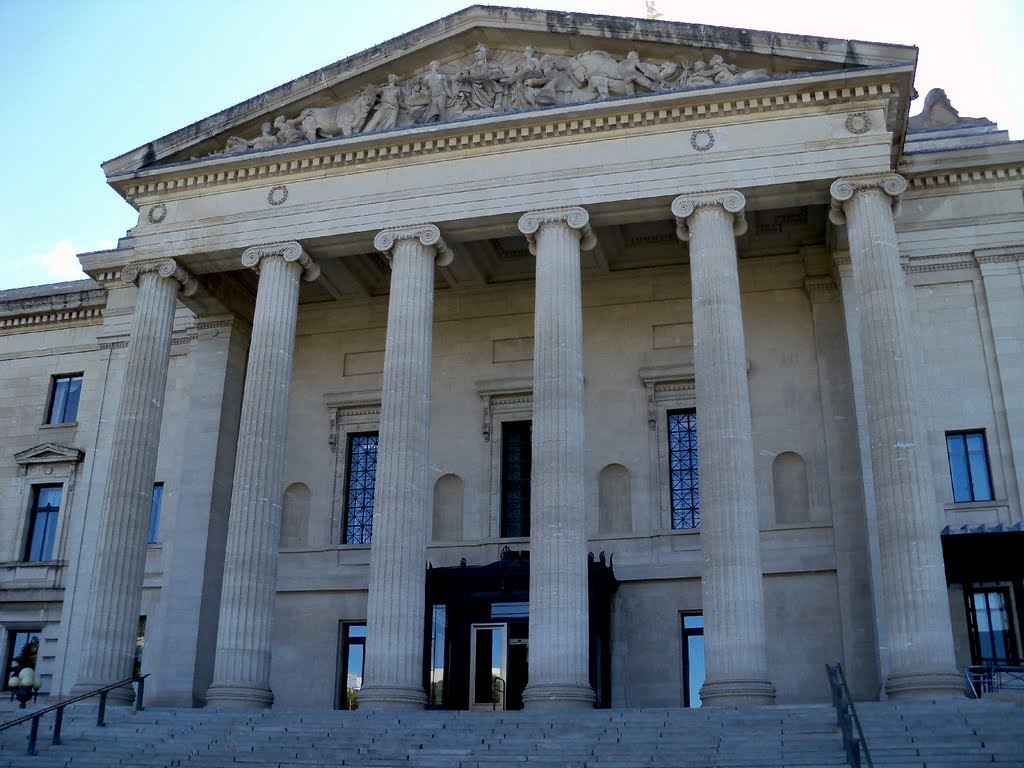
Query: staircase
962	734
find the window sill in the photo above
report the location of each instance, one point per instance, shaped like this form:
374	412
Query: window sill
62	425
970	506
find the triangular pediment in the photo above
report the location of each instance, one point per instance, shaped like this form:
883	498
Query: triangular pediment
486	61
49	453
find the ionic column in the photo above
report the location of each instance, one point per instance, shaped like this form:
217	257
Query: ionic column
393	667
559	625
912	574
116	588
241	677
736	661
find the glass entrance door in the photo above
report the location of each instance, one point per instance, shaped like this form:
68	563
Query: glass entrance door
488	663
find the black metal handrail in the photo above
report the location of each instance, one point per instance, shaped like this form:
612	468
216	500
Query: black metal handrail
992	677
846	718
33	734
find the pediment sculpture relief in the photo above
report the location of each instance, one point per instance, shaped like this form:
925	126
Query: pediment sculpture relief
488	85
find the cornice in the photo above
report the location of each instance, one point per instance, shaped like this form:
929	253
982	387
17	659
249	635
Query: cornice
933	180
593	119
85	315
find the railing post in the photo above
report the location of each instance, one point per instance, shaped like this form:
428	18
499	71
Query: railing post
138	697
33	734
103	710
57	723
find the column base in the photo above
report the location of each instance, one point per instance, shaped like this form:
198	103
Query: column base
924	685
239	696
731	693
391	697
546	696
123	696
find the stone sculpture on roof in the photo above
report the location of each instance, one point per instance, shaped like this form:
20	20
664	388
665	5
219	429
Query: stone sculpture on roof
489	84
938	112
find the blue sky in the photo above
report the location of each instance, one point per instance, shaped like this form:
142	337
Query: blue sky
87	80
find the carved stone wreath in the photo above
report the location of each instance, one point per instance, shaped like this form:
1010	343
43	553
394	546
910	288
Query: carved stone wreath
858	122
277	195
157	213
702	140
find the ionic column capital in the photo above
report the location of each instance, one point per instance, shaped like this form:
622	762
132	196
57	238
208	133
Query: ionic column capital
165	268
575	218
427	234
731	201
844	189
289	252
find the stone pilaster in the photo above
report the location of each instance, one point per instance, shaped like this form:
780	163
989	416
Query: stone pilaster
559	625
912	573
241	677
393	666
736	662
116	589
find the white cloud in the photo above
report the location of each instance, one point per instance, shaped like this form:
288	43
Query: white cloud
58	264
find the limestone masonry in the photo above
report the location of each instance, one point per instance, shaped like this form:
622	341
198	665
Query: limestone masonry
534	360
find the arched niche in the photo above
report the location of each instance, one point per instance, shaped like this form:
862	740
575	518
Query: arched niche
448	503
615	505
789	480
295	516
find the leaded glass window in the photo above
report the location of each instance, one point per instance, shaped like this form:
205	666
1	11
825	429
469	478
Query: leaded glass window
516	458
682	468
359	482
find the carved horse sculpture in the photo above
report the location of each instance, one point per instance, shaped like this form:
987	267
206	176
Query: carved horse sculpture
347	118
597	73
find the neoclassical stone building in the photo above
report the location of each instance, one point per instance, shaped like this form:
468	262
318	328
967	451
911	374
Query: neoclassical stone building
533	359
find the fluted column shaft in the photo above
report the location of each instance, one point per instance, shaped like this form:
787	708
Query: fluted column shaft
736	661
393	666
559	619
912	574
116	588
241	677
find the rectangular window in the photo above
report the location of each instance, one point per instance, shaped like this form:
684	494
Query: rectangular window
682	468
359	481
353	645
22	652
516	458
64	394
693	658
968	466
154	513
42	522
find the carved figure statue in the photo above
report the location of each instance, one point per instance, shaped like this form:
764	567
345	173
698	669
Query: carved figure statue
526	80
346	118
482	81
601	73
266	140
390	102
938	112
729	73
288	131
438	87
698	74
